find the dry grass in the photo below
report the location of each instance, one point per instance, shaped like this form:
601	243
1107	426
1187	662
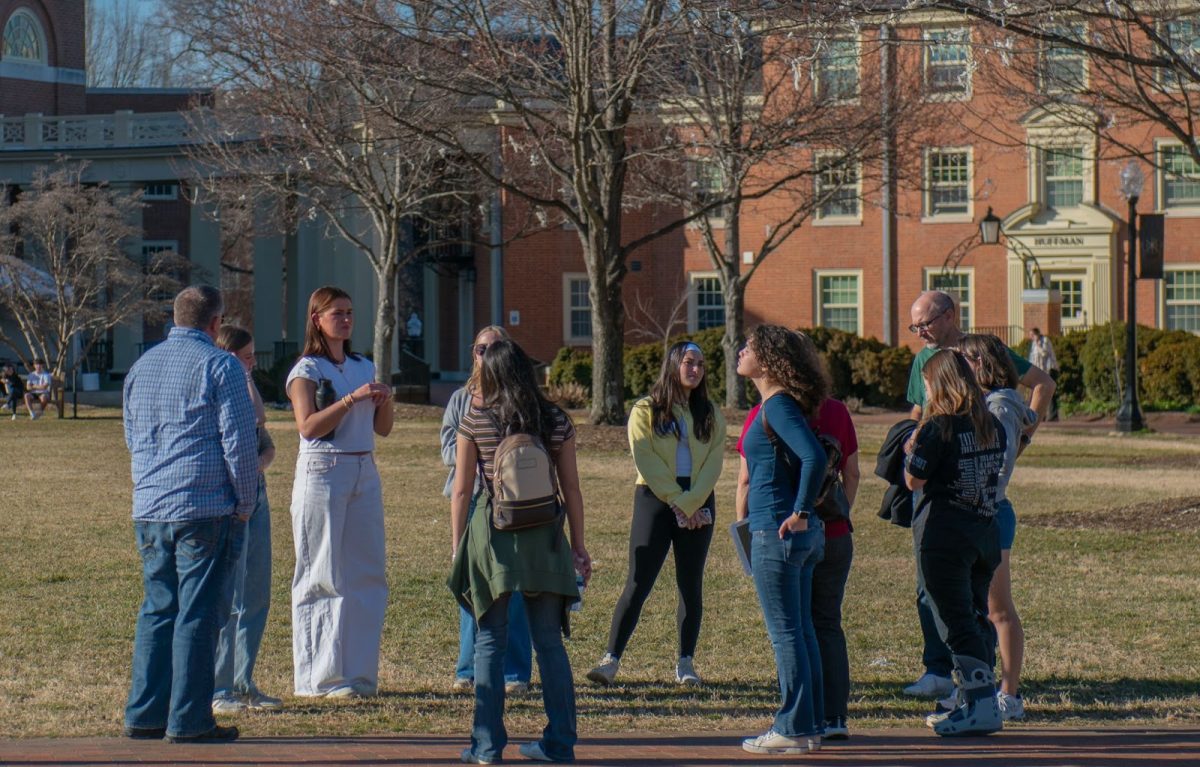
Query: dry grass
1109	607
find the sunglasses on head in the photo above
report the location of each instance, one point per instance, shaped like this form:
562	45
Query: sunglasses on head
479	349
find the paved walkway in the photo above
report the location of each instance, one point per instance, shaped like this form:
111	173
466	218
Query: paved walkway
1018	747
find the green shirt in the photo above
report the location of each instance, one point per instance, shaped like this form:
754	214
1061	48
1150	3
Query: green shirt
916	384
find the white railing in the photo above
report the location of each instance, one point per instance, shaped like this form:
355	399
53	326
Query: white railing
119	129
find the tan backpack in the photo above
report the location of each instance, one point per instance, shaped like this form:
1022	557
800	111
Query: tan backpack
524	491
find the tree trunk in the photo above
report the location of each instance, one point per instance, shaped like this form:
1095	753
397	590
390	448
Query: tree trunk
385	321
732	341
608	353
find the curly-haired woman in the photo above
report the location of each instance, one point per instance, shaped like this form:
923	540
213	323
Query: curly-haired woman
786	464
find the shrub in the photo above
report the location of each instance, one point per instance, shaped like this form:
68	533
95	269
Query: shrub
1169	372
270	382
1103	359
642	365
569	395
572	365
863	368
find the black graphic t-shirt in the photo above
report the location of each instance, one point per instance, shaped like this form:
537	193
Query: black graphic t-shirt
959	472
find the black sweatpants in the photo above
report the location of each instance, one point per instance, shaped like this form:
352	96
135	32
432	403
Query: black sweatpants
654	531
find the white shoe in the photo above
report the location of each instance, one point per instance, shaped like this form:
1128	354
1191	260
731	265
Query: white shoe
534	751
685	673
228	704
942	709
771	742
345	692
606	670
262	702
930	686
463	684
1012	707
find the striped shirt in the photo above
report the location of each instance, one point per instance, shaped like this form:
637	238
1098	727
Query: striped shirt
478	427
189	426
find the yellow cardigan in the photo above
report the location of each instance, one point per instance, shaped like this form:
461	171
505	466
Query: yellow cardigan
654	457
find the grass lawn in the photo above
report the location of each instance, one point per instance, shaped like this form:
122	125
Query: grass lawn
1104	569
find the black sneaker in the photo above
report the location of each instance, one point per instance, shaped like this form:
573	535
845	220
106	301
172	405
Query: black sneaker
145	733
217	734
836	729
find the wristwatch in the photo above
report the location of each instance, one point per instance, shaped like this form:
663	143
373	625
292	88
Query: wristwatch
801	515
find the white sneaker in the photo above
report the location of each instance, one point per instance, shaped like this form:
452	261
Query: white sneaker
1012	707
942	709
930	686
771	742
228	704
534	751
260	701
685	673
606	670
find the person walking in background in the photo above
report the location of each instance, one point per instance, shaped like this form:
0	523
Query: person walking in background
189	426
996	374
786	465
677	438
1041	354
14	389
237	648
490	565
955	457
339	591
935	320
518	659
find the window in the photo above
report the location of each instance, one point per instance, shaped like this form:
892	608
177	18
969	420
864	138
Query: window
708	303
948	61
836	188
1062	175
1181	288
577	309
1181	37
708	184
23	38
837	70
957	284
1180	178
1071	290
1062	68
160	191
948	183
838	301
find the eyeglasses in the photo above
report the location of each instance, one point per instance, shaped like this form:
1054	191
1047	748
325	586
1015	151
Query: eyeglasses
480	349
921	327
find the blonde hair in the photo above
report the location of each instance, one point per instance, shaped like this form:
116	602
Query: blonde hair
473	381
952	390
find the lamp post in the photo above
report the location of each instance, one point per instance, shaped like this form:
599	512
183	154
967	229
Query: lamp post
1129	417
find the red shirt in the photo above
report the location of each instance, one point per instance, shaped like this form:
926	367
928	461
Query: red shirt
833	419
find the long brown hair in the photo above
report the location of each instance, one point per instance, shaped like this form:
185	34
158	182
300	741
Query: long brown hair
314	340
473	381
510	390
994	367
667	393
791	360
952	390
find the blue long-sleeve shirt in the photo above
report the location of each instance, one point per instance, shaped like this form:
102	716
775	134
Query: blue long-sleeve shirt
775	489
189	426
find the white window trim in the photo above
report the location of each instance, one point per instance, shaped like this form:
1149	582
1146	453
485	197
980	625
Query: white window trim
693	164
1162	294
1087	69
1084	276
568	278
174	195
1057	141
1171	83
1160	184
693	318
820	220
927	214
818	274
817	80
926	66
969	272
41	32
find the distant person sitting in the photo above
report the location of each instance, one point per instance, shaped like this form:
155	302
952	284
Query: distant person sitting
38	389
14	388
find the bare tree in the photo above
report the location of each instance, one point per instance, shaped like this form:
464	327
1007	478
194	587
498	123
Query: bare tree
1114	67
302	119
67	274
649	322
127	47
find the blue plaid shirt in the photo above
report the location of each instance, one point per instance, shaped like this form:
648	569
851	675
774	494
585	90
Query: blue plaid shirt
189	425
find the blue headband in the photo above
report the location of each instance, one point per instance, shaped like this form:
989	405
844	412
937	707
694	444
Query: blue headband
691	347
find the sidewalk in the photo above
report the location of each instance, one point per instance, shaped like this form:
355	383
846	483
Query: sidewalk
1017	747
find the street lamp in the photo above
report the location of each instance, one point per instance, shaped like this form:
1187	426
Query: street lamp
1129	416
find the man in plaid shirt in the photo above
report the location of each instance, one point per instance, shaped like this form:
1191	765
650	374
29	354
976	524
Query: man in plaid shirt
189	425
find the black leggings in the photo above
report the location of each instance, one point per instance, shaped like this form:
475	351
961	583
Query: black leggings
654	532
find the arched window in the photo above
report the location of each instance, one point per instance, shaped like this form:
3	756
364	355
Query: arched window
23	38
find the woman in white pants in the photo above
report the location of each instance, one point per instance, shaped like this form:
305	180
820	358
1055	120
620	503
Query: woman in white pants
339	592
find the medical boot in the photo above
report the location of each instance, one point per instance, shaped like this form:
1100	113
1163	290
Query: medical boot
977	712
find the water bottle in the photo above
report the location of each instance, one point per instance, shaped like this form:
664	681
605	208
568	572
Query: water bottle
325	397
579	584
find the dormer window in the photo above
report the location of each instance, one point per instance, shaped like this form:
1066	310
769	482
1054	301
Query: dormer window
24	39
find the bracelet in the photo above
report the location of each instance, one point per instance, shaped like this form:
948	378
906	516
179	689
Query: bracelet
348	401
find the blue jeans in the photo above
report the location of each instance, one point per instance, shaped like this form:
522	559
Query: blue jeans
783	572
488	735
237	648
518	658
186	574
